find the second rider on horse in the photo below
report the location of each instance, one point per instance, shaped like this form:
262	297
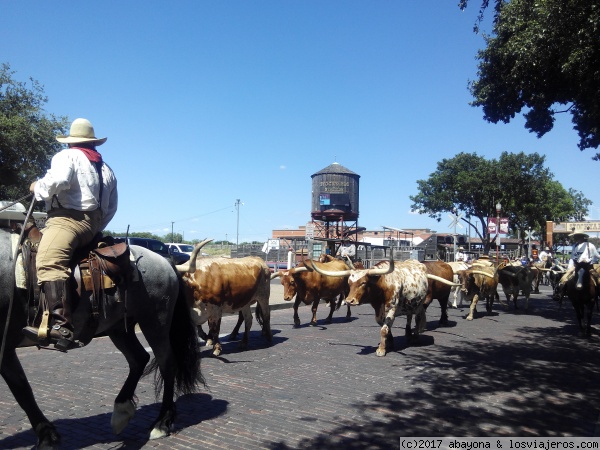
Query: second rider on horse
80	192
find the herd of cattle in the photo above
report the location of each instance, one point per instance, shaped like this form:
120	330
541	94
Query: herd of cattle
217	285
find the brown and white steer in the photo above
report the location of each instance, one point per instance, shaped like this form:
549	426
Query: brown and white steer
392	289
310	287
217	285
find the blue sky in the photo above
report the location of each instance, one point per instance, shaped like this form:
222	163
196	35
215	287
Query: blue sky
206	102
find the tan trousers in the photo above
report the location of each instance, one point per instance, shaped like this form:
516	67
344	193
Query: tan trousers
65	231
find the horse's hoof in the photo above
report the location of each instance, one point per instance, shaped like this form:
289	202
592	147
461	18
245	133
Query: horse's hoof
122	414
380	352
158	433
47	436
469	317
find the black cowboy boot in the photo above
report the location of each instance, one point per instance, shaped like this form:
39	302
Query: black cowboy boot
60	332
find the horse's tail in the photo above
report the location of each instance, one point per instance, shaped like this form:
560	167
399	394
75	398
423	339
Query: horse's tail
184	341
186	351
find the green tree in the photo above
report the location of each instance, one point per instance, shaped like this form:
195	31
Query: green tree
472	185
543	58
27	134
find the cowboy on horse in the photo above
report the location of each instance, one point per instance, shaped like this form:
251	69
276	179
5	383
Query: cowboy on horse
80	192
582	252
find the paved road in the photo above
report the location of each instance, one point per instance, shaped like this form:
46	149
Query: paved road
509	373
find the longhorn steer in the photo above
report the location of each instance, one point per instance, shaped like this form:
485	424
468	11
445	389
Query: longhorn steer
515	279
310	287
555	274
477	282
392	289
214	286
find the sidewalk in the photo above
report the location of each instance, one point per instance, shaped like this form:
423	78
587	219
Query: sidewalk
276	300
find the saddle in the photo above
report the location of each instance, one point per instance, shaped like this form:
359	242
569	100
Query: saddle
99	266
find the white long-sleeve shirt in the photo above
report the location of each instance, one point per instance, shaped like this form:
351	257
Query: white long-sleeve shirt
75	182
584	252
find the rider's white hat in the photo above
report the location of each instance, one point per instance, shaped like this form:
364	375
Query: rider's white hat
81	131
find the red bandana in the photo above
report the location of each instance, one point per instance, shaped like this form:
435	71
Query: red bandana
92	155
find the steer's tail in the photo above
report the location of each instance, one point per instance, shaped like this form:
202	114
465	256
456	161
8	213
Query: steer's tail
258	313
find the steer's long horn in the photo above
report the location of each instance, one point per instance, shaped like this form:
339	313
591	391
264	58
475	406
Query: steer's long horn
442	280
385	271
190	266
329	273
275	274
349	263
480	272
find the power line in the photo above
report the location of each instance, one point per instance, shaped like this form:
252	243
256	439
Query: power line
179	220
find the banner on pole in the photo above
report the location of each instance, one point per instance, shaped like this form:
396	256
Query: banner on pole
492	225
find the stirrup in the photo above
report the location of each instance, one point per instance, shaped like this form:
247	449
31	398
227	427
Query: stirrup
61	337
33	335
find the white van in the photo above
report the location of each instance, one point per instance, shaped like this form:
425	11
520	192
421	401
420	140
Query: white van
180	248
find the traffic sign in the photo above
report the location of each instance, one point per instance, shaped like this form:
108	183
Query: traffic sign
455	220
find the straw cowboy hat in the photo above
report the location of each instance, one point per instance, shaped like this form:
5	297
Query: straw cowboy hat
81	131
460	248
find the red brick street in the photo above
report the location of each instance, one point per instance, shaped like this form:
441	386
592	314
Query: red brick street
508	373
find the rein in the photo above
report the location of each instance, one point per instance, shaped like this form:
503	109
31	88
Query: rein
13	268
25	197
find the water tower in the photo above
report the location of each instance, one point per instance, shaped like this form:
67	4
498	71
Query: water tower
334	206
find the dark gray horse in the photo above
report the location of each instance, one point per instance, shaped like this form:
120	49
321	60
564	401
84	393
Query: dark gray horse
582	292
155	303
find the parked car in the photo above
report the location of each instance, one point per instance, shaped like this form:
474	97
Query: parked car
156	246
181	248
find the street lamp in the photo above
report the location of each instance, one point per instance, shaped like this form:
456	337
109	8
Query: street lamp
498	209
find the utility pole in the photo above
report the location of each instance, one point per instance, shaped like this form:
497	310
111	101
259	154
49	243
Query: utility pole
498	210
172	235
237	238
